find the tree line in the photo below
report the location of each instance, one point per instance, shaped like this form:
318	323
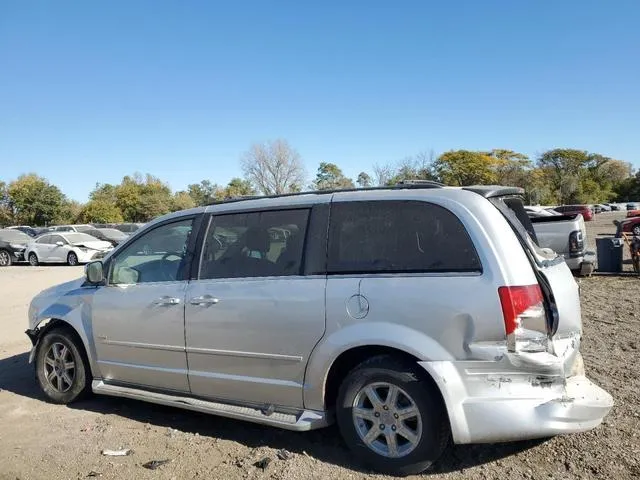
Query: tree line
555	177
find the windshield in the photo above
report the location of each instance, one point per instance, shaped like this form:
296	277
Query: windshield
79	237
14	236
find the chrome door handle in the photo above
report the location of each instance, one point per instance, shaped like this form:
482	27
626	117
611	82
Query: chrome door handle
204	300
167	301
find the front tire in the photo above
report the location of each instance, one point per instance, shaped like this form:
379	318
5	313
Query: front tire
33	260
72	259
391	417
61	367
5	258
636	230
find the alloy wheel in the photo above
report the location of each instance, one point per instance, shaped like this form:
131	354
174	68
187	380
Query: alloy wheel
5	260
33	260
73	259
387	419
59	367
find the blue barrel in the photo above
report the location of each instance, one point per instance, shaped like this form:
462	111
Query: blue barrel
609	252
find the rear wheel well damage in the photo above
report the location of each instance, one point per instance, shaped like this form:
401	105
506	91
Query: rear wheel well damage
350	359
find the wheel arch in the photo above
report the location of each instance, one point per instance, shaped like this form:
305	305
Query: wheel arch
46	324
340	352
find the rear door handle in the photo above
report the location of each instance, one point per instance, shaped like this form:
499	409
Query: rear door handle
167	301
204	300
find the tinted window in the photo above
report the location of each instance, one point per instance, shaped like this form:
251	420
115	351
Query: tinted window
56	238
44	239
157	256
259	244
398	236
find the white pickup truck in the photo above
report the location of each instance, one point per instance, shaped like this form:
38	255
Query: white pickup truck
566	235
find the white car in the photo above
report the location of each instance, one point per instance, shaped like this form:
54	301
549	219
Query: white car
66	247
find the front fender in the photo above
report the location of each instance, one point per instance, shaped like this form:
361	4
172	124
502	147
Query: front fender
72	308
380	334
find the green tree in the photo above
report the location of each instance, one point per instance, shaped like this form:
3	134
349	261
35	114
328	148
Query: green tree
562	167
464	167
100	211
33	200
69	213
236	188
6	216
364	180
203	193
330	177
511	168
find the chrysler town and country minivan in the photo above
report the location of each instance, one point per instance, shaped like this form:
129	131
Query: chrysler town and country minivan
409	315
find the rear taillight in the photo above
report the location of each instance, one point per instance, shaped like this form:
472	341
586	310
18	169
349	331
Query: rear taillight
525	320
576	242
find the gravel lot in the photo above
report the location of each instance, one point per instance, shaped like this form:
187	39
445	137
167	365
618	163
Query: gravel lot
41	440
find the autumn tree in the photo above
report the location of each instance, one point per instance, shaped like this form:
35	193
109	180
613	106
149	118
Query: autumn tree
6	216
330	177
464	167
273	167
182	201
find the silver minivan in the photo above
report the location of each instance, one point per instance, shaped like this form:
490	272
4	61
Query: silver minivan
411	316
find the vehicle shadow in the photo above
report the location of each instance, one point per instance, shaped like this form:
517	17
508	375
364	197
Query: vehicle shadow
326	445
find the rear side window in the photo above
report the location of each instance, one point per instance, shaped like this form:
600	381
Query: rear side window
255	244
396	237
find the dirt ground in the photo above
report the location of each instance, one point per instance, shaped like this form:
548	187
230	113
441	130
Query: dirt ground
39	440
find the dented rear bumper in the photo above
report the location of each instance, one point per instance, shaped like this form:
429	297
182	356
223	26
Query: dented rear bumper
489	403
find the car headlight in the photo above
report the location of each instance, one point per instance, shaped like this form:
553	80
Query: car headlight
16	246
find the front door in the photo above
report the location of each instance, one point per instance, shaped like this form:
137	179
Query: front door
252	316
138	317
57	253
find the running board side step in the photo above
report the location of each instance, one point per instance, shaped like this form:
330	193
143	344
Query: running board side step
302	421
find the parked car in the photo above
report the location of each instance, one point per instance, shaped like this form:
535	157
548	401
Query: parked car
584	210
633	213
410	315
12	245
32	232
111	235
632	206
629	225
604	207
128	228
70	228
540	212
566	235
71	248
614	207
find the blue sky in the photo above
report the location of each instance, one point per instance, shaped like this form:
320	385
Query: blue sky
92	91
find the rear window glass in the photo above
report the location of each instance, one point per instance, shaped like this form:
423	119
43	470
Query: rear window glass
396	237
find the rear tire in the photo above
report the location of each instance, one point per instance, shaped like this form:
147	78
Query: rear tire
5	258
72	259
401	435
33	260
636	230
62	368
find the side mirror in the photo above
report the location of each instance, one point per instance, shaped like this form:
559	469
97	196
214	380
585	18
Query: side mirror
94	273
60	244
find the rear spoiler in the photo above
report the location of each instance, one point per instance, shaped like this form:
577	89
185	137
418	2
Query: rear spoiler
490	191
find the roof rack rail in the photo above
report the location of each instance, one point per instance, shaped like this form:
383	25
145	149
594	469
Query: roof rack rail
404	184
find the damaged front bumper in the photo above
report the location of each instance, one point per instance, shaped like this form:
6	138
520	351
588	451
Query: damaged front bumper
487	403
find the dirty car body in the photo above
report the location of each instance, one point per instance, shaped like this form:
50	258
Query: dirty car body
270	324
